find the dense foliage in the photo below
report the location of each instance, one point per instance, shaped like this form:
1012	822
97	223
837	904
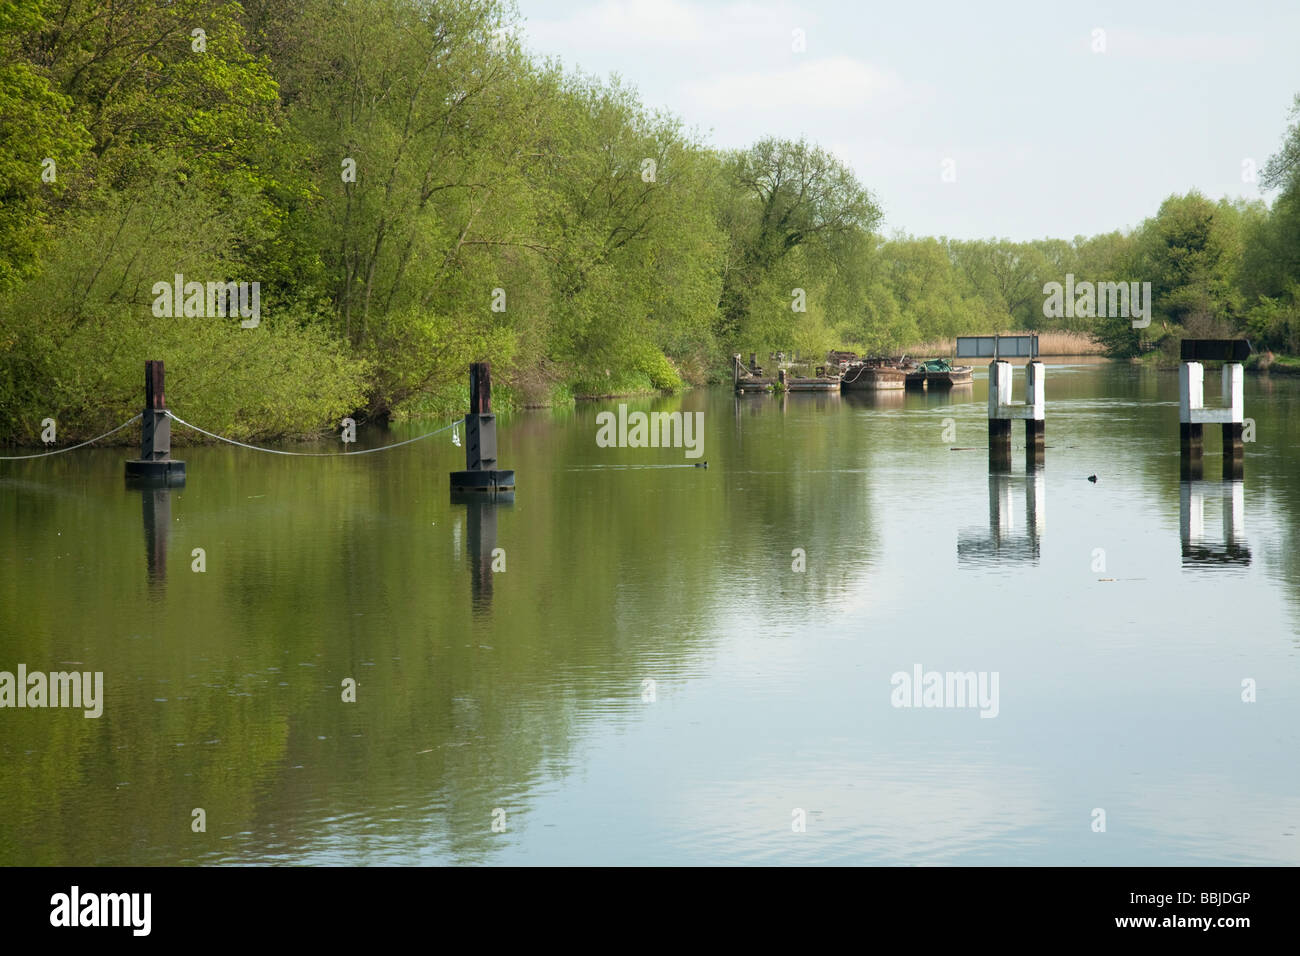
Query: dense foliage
411	191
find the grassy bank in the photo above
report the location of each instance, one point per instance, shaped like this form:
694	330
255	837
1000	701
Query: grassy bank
1274	364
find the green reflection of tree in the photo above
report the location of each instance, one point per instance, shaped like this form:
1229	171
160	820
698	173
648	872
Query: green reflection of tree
223	688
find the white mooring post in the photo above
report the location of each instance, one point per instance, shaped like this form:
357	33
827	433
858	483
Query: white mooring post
1002	411
1193	416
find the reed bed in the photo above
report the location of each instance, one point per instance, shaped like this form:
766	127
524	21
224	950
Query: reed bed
1049	343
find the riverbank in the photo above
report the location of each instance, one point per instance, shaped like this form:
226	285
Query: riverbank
1270	363
1266	363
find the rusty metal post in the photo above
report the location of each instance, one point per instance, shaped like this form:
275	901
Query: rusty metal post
481	474
155	464
155	427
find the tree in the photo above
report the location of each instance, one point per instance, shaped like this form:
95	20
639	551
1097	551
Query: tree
784	196
40	146
1282	171
1191	250
1007	275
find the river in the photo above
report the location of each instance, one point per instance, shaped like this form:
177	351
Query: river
646	676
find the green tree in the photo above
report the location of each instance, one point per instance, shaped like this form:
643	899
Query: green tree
1191	250
784	196
1270	269
40	146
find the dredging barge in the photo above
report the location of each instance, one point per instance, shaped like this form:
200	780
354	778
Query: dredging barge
845	371
873	375
938	373
751	379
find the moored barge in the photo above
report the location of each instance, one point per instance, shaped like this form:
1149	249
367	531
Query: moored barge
937	373
872	375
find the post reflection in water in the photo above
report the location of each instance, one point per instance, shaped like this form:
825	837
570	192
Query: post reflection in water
481	535
156	513
1191	523
1014	533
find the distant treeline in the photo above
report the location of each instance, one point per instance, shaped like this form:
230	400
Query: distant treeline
411	191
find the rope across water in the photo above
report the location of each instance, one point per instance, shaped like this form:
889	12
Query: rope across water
308	454
60	451
204	431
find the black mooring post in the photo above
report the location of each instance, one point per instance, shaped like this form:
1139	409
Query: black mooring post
1035	454
155	464
1234	451
999	444
481	473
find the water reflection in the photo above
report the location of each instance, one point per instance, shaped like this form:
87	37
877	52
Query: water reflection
1197	552
881	398
156	515
632	565
481	535
1014	532
956	395
822	401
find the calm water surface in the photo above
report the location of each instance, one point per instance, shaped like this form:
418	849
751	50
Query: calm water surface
524	690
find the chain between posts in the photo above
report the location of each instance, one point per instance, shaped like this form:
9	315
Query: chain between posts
272	451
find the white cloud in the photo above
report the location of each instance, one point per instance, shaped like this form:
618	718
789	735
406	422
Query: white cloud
837	83
675	26
623	23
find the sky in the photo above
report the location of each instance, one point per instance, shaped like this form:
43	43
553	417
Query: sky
1017	120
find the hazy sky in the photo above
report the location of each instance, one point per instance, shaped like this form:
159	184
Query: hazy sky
1045	136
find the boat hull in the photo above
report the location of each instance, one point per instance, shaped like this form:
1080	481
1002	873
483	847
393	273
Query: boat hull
957	376
922	378
813	384
873	379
